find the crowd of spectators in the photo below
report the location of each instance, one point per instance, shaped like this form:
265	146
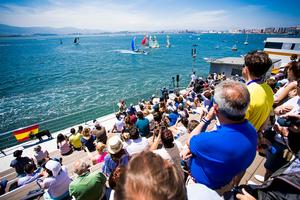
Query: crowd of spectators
191	145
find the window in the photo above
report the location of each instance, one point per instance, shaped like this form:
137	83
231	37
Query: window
273	45
287	46
297	46
236	71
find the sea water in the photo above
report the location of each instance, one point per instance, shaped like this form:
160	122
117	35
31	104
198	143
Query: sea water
41	79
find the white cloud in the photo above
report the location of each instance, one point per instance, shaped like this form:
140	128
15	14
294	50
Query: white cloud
109	16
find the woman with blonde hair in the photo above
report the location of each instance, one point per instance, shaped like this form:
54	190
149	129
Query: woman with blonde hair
88	140
101	153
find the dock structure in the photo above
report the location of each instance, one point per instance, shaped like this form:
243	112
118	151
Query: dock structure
231	66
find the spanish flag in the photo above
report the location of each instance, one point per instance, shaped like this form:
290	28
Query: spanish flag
23	134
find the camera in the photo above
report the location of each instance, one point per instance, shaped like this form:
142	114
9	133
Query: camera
284	122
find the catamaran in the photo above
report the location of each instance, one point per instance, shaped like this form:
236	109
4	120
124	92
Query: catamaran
145	41
168	45
234	48
246	42
153	43
137	50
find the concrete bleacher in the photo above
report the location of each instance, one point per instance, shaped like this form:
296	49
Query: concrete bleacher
19	193
68	161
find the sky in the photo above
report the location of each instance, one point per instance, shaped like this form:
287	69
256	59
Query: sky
143	15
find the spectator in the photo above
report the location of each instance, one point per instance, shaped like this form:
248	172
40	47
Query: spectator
136	144
40	155
117	156
3	184
171	149
142	124
101	153
100	133
63	145
56	182
80	129
173	116
284	183
87	185
88	140
261	94
74	140
148	176
19	163
231	148
31	175
119	124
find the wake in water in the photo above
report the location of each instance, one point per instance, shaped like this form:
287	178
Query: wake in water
125	51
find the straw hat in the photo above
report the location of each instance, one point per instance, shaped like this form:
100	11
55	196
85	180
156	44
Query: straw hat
114	145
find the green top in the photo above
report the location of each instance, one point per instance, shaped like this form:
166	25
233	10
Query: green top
88	186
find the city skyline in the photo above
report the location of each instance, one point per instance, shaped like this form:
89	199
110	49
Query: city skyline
142	15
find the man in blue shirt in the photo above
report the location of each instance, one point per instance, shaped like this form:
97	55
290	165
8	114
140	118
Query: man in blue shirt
142	124
218	156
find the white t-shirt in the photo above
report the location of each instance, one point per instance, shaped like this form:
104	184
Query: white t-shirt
193	77
295	102
41	155
197	190
119	125
137	145
59	185
171	154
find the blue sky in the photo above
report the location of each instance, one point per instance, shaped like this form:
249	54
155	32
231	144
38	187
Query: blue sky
115	15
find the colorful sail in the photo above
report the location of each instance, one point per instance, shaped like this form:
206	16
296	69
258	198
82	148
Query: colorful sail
145	41
23	134
133	44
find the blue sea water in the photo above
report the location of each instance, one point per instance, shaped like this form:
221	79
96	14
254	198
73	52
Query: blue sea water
41	79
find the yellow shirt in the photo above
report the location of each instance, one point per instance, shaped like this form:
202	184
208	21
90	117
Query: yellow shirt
261	102
75	140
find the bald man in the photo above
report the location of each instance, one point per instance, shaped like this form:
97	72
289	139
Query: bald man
87	185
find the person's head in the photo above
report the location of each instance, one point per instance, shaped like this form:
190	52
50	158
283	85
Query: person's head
256	64
29	168
38	148
232	99
18	153
167	138
98	126
157	116
53	168
293	57
134	133
114	145
293	71
72	131
140	115
185	121
150	177
80	167
115	176
118	116
80	128
60	138
294	137
192	125
100	147
86	132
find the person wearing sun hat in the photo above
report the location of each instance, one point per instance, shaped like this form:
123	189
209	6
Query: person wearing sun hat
57	181
117	156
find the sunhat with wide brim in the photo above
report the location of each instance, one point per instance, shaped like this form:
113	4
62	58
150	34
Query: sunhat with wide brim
114	145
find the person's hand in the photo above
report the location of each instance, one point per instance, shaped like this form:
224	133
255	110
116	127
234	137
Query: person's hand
291	115
285	109
186	154
245	196
281	130
210	114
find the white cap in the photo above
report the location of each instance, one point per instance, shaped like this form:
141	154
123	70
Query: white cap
54	167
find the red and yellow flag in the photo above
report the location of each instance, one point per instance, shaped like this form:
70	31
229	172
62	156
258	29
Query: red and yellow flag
23	134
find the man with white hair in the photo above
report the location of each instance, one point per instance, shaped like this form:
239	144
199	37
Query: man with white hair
218	156
87	185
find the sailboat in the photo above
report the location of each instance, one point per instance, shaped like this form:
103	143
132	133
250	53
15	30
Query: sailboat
76	40
246	42
234	48
145	41
137	50
154	42
168	45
